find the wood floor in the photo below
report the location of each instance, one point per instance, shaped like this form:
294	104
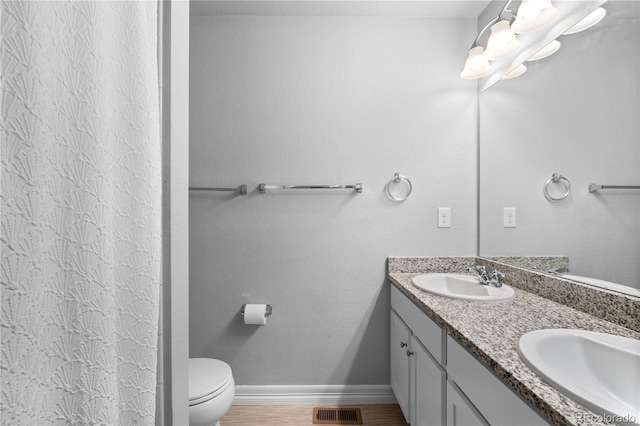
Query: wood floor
301	415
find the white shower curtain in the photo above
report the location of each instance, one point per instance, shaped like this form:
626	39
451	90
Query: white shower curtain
81	212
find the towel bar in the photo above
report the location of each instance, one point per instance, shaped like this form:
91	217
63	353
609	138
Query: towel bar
242	189
593	187
263	187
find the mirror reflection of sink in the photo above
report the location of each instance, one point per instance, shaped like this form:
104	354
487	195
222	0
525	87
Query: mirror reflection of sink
600	371
603	284
461	286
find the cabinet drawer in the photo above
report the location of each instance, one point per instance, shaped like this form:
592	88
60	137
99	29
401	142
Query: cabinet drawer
497	403
423	327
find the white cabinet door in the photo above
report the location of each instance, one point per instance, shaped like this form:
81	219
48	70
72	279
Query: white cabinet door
427	396
459	411
400	368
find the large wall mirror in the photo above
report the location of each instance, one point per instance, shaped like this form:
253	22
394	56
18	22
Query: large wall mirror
577	114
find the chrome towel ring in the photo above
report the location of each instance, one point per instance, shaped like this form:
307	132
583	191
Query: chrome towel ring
396	179
557	178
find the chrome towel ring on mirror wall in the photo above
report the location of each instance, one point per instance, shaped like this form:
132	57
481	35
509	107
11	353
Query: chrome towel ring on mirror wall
397	179
557	178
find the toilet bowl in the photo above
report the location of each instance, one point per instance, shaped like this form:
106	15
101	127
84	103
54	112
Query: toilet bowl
211	391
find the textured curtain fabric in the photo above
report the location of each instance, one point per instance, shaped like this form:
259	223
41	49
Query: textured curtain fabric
81	212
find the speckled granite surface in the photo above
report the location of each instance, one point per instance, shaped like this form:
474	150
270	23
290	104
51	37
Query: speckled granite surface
541	263
423	265
607	305
491	332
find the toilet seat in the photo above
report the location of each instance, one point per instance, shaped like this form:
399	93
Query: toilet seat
208	378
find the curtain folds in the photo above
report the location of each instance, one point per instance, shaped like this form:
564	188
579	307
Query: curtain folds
81	212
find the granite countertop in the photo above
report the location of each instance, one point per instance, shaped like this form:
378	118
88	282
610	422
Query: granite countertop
491	331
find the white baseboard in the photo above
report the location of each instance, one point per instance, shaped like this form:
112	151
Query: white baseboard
314	395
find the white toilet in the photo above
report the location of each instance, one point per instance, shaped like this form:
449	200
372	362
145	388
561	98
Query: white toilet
211	391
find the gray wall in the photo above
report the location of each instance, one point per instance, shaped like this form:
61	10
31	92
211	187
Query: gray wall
304	100
576	113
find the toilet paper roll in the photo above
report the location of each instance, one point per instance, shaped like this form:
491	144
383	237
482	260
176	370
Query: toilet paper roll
255	314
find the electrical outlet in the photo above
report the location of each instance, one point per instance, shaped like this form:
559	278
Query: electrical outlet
509	217
444	217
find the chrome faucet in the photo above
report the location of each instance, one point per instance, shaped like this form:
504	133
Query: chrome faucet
485	278
481	273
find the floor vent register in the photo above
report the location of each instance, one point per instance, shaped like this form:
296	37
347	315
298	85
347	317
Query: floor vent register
336	416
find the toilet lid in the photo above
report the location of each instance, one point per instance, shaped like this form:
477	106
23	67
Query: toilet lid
206	376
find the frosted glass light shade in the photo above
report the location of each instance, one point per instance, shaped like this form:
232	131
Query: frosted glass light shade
516	72
502	42
588	21
476	65
548	50
533	15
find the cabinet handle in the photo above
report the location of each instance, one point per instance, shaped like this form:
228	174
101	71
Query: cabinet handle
403	344
409	353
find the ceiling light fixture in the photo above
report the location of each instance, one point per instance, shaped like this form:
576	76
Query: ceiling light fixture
500	54
501	43
516	72
506	31
589	21
533	15
548	50
477	66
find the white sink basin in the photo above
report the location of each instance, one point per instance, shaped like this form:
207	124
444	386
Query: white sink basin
461	286
600	371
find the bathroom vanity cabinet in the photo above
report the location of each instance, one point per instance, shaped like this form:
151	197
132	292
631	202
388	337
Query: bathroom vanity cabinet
418	377
436	381
415	376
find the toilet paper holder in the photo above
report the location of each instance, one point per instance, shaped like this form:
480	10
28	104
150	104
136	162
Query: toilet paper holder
268	312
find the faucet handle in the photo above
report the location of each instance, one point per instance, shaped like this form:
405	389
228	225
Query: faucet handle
481	273
496	276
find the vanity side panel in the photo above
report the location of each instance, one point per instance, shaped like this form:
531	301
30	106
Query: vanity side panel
496	402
